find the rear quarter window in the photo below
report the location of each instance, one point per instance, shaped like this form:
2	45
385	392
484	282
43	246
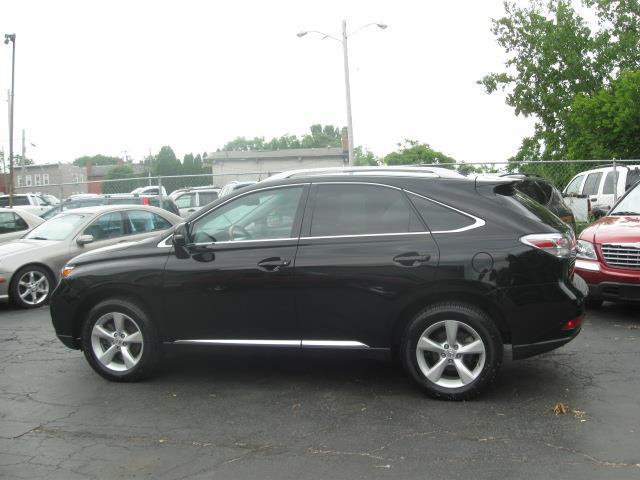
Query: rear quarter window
438	217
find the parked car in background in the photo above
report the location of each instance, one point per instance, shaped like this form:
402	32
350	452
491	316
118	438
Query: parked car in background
545	193
233	186
30	267
609	253
150	190
14	223
93	200
599	184
191	200
440	269
29	202
50	199
178	191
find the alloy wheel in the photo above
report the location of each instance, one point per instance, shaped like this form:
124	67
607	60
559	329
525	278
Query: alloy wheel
450	354
117	342
33	287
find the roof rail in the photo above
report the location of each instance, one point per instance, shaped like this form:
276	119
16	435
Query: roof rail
436	172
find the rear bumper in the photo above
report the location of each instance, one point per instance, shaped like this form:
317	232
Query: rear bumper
615	292
529	350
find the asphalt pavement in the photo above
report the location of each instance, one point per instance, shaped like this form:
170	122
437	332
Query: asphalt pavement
285	415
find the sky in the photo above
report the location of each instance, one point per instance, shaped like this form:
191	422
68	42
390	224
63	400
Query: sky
116	76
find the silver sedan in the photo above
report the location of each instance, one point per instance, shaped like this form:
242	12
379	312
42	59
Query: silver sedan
30	267
14	223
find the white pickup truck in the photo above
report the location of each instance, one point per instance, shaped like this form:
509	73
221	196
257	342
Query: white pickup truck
28	202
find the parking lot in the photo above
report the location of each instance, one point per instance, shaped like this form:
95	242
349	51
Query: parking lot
227	414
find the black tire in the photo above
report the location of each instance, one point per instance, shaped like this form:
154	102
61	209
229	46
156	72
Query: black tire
465	316
150	350
15	288
593	303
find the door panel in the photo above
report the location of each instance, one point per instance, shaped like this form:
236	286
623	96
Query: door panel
237	282
365	251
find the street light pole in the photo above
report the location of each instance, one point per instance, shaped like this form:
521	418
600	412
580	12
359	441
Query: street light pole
347	87
347	84
11	38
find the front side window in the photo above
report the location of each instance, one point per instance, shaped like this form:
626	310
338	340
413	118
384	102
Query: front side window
262	215
574	187
142	222
592	183
343	210
10	222
630	204
106	226
57	228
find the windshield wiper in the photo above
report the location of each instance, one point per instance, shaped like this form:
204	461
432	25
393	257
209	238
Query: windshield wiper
625	213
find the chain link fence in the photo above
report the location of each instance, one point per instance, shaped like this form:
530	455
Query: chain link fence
559	172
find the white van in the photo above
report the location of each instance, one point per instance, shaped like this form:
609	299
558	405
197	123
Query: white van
598	184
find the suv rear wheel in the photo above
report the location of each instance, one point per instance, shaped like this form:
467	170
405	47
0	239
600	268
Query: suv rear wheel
452	350
119	341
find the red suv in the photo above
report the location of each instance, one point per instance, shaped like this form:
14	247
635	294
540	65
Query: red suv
609	253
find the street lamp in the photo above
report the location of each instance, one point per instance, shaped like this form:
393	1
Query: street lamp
11	38
347	85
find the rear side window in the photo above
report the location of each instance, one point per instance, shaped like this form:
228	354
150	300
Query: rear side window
361	210
592	183
17	200
574	187
206	198
438	217
609	182
186	201
105	227
142	222
10	222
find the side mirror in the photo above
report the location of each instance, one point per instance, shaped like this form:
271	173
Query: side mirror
597	213
180	240
84	239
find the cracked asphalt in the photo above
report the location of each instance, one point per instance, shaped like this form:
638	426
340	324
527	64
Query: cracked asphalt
281	415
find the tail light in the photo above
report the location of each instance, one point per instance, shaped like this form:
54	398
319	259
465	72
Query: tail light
588	206
556	244
573	323
145	200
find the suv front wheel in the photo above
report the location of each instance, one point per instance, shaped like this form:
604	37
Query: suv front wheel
119	341
452	350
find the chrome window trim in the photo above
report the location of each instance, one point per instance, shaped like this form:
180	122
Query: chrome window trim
275	343
364	235
478	222
230	242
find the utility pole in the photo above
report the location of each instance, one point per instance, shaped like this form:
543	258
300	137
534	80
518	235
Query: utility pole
24	151
347	87
11	38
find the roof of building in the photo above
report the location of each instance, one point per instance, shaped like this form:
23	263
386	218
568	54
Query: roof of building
17	167
276	154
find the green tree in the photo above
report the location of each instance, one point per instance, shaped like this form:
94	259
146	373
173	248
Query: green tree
166	162
606	124
96	160
319	137
364	157
412	152
17	161
118	183
552	55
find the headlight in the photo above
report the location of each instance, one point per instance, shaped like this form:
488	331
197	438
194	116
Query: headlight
586	250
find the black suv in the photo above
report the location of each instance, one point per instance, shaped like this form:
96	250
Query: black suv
116	199
440	270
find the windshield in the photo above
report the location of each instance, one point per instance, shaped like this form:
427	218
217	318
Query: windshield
58	228
630	204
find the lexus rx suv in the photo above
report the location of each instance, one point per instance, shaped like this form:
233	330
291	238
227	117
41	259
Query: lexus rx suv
609	253
437	269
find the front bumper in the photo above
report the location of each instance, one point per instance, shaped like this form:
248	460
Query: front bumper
613	284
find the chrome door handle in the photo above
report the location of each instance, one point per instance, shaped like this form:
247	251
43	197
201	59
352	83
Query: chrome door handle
411	259
273	264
